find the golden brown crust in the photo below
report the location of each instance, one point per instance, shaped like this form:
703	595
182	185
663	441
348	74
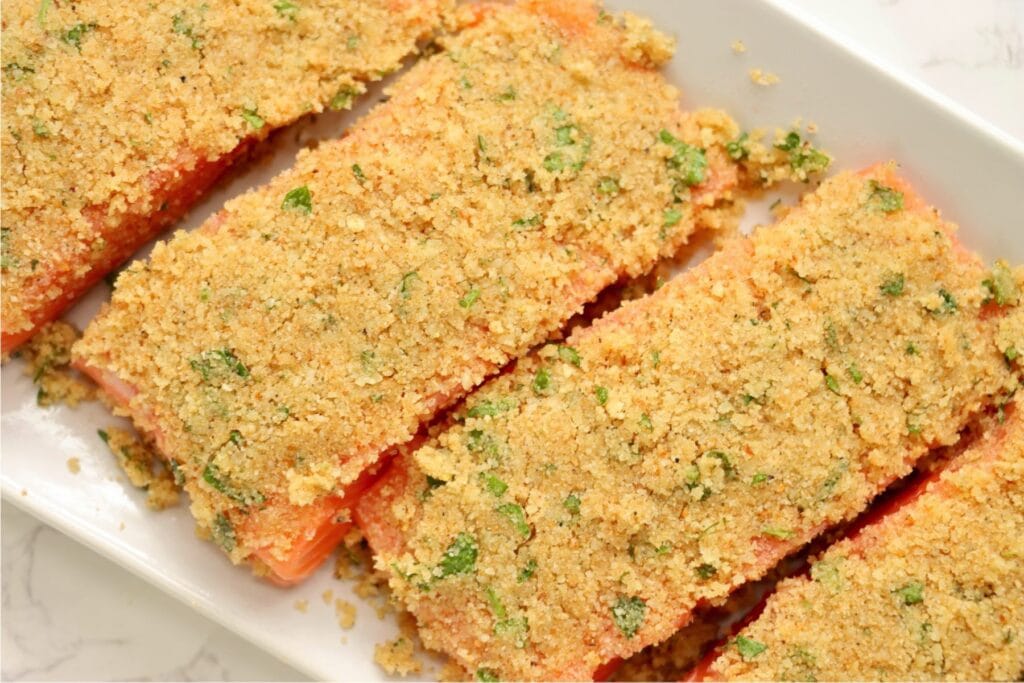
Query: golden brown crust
106	103
279	349
592	497
932	592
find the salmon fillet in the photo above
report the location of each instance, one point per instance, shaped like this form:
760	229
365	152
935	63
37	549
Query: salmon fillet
931	590
119	115
276	353
585	504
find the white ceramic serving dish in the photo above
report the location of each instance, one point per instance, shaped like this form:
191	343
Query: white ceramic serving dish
865	113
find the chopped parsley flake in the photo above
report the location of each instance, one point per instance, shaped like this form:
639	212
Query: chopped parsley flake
572	504
608	185
893	286
343	99
406	287
221	482
526	222
508	94
911	593
671	217
706	571
541	381
514	513
748	647
183	28
628	614
855	374
223	533
40	129
832	384
253	118
470	298
488	408
1002	287
948	305
738	149
777	532
485	675
602	395
460	557
645	422
759	478
496	487
286	10
884	198
802	156
211	363
7	259
357	171
689	163
298	199
73	36
527	572
569	355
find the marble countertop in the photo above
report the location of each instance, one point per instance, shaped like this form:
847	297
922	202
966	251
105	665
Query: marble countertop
71	614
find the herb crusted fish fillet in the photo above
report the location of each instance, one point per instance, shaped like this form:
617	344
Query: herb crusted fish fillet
933	590
118	115
275	353
680	446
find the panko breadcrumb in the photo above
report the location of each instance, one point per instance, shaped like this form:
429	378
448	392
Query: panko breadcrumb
142	467
933	591
117	115
47	360
277	351
397	657
581	506
762	77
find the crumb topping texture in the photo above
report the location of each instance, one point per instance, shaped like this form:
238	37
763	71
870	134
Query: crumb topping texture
935	591
106	105
582	505
317	321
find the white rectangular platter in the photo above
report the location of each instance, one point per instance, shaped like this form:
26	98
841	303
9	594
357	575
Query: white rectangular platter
865	114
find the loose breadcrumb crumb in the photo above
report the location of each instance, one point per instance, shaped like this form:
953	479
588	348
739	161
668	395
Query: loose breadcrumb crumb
142	467
738	47
327	596
346	613
761	77
397	657
48	356
74	465
301	606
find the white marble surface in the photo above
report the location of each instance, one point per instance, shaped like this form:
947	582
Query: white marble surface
67	613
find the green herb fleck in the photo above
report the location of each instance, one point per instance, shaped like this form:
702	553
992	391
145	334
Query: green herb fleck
343	99
554	162
485	675
569	355
541	381
44	7
759	478
514	513
1001	285
40	129
645	422
73	36
209	364
893	286
884	198
526	222
628	614
470	298
688	162
948	305
183	28
738	149
253	118
298	199
223	533
911	593
777	532
706	571
671	217
572	504
103	435
832	383
855	374
406	287
496	487
602	395
286	10
460	557
221	482
527	572
607	185
748	647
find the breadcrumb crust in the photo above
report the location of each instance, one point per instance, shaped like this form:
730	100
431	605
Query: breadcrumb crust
107	105
321	319
934	591
654	467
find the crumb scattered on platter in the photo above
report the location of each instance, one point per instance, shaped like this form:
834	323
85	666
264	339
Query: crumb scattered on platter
738	47
762	77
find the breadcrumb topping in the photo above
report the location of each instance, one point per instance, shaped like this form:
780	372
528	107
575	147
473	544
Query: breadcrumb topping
583	504
321	319
47	360
109	106
932	592
142	467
